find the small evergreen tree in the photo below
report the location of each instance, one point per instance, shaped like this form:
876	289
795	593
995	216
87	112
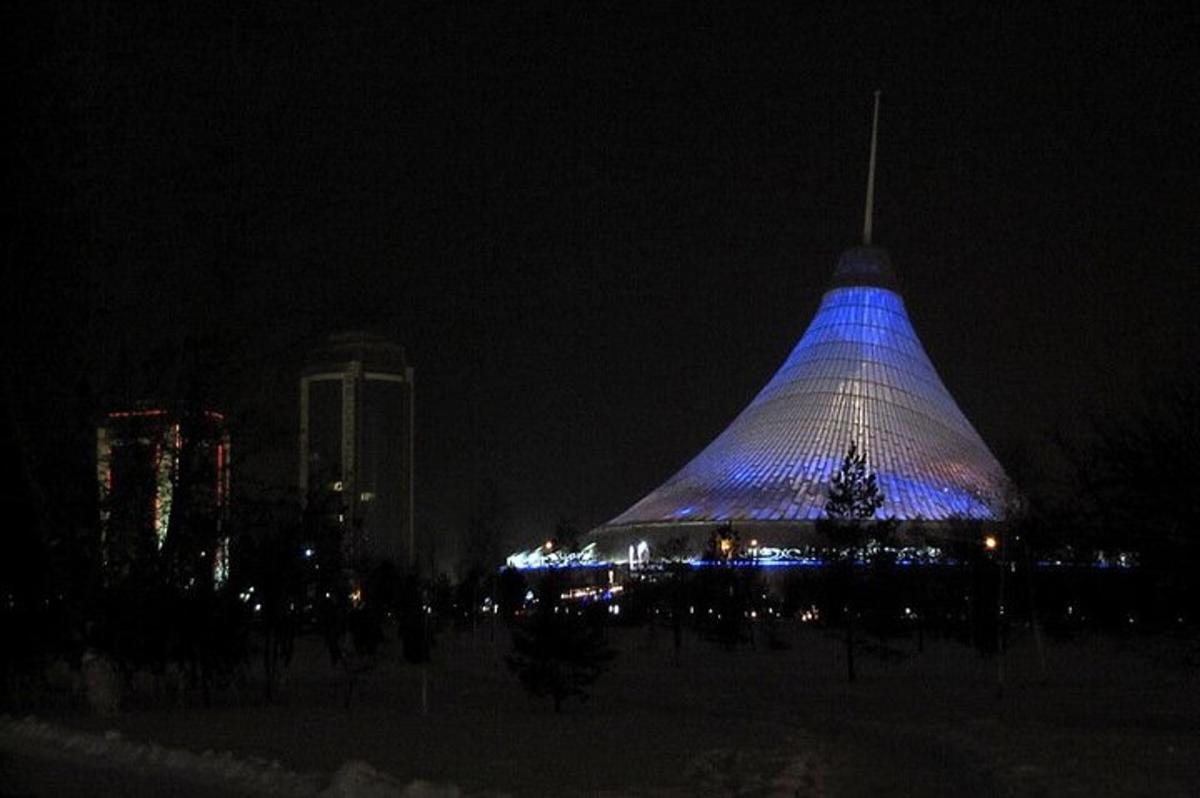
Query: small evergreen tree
557	653
853	493
853	498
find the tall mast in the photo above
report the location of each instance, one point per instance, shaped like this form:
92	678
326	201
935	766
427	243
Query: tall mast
869	211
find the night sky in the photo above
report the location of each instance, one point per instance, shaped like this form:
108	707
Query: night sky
597	232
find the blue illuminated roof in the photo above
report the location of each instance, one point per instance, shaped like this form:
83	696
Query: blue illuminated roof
858	374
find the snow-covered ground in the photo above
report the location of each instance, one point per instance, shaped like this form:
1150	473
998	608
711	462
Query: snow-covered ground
53	759
1112	717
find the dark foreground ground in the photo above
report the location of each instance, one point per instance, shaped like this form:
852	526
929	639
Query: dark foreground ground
1114	716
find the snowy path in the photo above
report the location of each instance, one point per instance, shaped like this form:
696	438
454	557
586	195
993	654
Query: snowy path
42	759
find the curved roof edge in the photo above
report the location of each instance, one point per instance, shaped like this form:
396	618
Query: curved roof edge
375	352
865	265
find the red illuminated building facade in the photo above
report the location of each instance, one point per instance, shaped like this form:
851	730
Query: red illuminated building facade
164	475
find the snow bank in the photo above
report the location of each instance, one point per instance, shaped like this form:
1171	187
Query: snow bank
357	779
34	738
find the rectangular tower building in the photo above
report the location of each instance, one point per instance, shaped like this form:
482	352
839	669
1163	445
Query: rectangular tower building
356	444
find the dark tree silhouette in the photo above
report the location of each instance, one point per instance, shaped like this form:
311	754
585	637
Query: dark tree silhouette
510	592
853	499
724	545
1133	479
485	534
567	536
853	493
486	528
268	559
674	555
729	592
557	653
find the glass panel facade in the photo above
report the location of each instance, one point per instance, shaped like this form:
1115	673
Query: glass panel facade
858	374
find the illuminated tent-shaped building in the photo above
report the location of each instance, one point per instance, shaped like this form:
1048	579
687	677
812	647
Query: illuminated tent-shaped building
858	375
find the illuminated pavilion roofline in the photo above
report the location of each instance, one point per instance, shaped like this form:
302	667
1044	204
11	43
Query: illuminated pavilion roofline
859	374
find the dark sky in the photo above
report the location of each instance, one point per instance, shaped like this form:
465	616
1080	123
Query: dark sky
597	230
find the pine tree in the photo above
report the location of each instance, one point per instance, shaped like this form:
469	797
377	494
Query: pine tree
853	493
557	652
853	497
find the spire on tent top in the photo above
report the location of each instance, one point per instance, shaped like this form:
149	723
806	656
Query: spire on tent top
869	211
867	264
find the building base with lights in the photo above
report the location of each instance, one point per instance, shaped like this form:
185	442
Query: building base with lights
858	376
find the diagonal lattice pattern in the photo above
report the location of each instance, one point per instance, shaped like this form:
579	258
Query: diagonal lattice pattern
858	374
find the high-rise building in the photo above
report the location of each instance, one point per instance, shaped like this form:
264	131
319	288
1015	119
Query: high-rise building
859	375
356	444
164	475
